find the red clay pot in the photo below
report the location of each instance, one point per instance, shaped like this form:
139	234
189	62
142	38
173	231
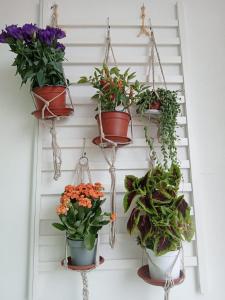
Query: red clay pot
48	93
155	105
114	123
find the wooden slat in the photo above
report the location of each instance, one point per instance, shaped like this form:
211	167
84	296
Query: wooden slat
103	166
116	264
184	187
142	78
78	143
125	24
123	42
123	60
91	122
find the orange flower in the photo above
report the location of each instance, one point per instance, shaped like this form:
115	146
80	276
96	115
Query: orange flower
62	209
113	217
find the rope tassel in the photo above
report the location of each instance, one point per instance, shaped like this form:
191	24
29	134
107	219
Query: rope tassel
85	285
57	160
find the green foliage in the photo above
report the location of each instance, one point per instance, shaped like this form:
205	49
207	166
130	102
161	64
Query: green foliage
160	217
83	223
170	108
39	63
114	89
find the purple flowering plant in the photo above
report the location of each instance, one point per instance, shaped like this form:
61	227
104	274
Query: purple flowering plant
39	54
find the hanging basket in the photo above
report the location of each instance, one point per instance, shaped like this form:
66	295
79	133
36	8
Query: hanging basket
50	101
114	126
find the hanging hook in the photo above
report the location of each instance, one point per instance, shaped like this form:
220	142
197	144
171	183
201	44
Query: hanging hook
143	29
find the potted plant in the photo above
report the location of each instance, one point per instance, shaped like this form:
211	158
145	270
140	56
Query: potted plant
82	217
39	58
165	102
115	94
160	218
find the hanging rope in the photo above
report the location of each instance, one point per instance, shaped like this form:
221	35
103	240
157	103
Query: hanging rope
169	282
54	16
57	160
85	285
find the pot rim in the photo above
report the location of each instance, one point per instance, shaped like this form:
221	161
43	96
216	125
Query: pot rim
48	85
113	111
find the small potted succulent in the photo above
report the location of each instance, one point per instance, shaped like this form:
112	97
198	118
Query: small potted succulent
39	58
115	94
160	218
165	104
82	217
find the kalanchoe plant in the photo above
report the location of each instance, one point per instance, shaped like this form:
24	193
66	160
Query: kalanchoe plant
160	216
39	55
169	108
114	89
81	214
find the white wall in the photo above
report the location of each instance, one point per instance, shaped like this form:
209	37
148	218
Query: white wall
206	62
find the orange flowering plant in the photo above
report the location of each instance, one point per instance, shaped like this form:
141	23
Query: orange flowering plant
81	214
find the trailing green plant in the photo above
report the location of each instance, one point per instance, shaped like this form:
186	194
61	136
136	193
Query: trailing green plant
81	214
39	55
160	216
114	89
169	108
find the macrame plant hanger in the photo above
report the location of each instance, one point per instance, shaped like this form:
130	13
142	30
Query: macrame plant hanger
153	59
112	145
81	169
47	113
143	272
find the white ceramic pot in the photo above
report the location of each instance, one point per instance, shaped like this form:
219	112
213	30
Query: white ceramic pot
159	266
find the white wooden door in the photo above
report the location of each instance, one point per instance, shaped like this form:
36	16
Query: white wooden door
85	25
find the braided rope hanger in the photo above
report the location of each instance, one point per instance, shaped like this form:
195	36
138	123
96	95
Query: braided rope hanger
82	168
110	159
57	160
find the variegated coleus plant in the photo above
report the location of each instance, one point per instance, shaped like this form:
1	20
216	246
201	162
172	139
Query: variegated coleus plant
160	216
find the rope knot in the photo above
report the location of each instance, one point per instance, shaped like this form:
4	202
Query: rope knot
112	169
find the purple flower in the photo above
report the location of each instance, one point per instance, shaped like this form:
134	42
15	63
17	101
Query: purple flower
60	46
58	33
46	36
28	31
3	37
13	31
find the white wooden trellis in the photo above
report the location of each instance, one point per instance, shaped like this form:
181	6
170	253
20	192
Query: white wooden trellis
87	35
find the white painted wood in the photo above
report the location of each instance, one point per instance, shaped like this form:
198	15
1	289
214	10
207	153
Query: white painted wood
202	274
122	60
48	242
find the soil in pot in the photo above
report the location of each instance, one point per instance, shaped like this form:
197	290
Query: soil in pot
48	93
80	255
114	123
159	266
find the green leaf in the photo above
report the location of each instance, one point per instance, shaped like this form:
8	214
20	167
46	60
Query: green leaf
89	241
83	79
59	226
41	78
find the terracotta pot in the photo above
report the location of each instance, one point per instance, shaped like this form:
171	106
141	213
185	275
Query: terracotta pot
114	123
48	93
155	105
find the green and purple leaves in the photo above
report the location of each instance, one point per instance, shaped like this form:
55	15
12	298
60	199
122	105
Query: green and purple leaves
160	217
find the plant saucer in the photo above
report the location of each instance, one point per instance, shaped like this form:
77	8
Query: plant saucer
144	274
119	140
82	268
60	112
